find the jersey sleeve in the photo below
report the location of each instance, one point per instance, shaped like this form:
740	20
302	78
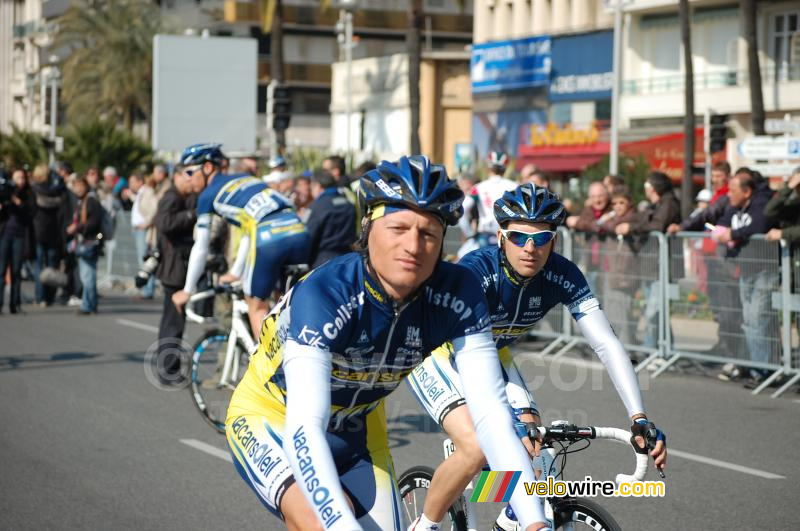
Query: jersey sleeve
205	206
573	290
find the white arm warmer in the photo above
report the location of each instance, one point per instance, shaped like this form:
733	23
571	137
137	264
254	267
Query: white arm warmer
597	330
484	390
197	258
308	403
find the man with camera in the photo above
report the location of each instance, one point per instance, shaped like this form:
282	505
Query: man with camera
174	221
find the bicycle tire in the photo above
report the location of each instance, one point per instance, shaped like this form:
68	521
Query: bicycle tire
586	512
419	478
212	401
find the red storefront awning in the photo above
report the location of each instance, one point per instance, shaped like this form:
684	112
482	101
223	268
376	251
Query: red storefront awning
566	159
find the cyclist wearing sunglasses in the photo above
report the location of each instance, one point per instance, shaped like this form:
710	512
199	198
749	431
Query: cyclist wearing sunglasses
306	426
523	279
273	235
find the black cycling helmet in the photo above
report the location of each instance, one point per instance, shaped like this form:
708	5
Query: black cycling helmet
530	203
200	153
415	182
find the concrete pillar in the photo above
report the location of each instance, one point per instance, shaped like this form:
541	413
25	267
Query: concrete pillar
428	107
581	14
560	15
482	21
521	18
502	20
541	17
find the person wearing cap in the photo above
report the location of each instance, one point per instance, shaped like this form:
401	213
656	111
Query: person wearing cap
277	171
331	224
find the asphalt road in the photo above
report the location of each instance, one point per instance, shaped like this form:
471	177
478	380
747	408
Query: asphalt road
89	442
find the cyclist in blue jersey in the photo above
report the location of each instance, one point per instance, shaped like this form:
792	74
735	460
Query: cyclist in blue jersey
273	235
306	426
523	278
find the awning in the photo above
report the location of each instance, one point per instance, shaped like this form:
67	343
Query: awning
566	159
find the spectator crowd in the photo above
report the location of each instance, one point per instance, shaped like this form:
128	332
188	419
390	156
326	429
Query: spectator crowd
55	223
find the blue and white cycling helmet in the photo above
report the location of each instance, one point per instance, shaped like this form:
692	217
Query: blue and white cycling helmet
413	181
530	203
200	153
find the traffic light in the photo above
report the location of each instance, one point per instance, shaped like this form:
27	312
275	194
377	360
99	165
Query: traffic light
718	132
279	106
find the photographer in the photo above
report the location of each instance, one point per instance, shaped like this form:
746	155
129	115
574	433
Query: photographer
16	218
175	220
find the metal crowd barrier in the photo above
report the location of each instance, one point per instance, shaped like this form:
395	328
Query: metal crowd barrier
120	262
667	298
681	298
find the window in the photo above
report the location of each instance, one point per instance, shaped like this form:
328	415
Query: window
561	113
783	28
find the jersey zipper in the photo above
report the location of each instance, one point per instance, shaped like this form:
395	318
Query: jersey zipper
396	317
516	310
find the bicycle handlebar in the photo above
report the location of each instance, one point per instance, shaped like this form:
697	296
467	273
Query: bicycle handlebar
571	433
234	288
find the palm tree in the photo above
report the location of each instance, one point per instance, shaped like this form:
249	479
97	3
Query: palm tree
688	119
109	69
753	66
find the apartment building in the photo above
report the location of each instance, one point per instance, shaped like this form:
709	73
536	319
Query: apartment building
541	81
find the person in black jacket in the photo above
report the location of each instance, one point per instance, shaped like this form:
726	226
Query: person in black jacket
16	219
175	220
83	231
332	222
51	198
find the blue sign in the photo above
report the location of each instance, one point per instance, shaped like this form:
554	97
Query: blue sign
504	65
582	67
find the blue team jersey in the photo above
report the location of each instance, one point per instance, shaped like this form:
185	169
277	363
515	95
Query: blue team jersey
238	198
373	342
516	307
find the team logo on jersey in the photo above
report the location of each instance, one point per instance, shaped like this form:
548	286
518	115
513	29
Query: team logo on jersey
309	336
412	337
363	338
534	301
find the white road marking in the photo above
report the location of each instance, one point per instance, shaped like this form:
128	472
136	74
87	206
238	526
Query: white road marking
593	365
140	326
207	448
724	464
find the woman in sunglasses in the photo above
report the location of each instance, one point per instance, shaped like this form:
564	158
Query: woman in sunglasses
523	279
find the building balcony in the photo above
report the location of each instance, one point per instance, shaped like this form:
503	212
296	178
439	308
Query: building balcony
727	91
707	80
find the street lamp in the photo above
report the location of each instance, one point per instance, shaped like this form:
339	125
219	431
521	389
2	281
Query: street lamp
345	38
617	5
54	75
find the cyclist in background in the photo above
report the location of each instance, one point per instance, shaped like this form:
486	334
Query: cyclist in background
306	426
483	196
273	235
523	279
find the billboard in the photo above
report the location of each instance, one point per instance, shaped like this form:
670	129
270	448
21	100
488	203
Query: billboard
204	90
507	65
582	67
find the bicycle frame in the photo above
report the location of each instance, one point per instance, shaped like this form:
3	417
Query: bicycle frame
240	329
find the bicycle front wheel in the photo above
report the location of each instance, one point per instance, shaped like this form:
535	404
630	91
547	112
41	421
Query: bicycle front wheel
210	394
413	485
575	514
